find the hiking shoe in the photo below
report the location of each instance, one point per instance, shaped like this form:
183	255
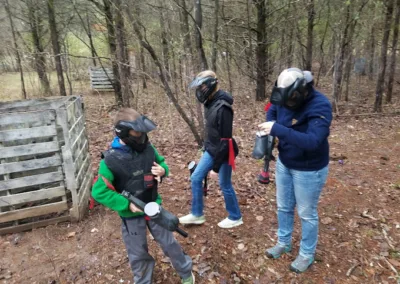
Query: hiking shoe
228	223
276	251
191	219
189	280
301	264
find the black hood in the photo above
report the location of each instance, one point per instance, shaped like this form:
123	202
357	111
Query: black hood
220	95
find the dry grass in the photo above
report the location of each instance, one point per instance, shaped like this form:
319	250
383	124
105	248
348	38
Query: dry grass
10	85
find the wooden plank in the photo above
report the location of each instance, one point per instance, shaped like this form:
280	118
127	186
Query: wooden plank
82	150
29	149
26	133
78	123
30	165
30	180
83	170
24	117
33	225
33	211
84	198
36	195
78	144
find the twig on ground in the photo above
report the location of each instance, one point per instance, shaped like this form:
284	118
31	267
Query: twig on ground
351	269
387	239
366	215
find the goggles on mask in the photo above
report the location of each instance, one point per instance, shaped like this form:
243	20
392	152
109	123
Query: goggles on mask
291	97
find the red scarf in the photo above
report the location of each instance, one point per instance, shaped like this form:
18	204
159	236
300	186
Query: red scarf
231	160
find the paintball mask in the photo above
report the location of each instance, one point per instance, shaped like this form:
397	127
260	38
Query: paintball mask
204	86
290	89
142	125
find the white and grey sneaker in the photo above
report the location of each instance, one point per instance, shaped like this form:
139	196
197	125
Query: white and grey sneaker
191	219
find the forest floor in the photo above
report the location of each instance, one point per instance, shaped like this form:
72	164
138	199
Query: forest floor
359	239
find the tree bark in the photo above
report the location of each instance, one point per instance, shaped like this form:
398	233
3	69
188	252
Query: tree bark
202	64
382	66
18	57
56	46
371	53
310	35
261	50
165	40
123	55
337	81
392	68
113	50
36	31
215	37
89	34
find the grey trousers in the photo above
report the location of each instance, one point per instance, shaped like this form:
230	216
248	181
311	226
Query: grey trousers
142	263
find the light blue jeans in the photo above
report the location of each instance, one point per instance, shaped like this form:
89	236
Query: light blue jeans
301	188
205	165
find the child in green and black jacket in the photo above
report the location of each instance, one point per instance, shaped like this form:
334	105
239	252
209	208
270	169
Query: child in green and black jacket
133	164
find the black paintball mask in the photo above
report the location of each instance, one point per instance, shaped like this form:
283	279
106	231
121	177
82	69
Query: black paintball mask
291	97
142	125
204	86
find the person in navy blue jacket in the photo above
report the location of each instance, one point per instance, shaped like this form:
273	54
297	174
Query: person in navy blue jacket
300	117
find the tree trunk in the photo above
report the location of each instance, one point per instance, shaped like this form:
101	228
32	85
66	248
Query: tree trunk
310	28
382	66
122	54
143	65
203	65
371	53
289	55
89	34
215	38
18	57
261	50
40	60
143	41
250	37
164	40
337	81
113	50
392	68
56	46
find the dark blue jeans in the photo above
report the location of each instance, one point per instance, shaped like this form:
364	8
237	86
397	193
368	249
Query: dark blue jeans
205	165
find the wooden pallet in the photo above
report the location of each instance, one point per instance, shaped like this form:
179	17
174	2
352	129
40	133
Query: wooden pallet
101	79
45	172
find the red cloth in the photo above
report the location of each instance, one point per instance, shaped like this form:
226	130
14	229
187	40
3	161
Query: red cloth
267	106
231	159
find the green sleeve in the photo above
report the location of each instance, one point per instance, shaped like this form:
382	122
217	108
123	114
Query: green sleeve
106	196
161	161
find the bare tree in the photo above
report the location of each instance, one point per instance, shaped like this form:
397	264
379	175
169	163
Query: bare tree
35	23
122	54
310	35
137	26
384	48
261	49
203	65
17	55
215	37
392	68
56	46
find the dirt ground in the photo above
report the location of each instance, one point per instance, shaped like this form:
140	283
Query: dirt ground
359	239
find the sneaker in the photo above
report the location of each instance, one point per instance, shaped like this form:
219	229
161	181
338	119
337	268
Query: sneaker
278	250
228	223
189	280
191	219
301	264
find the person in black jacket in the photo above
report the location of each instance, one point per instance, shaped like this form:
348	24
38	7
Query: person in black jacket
220	150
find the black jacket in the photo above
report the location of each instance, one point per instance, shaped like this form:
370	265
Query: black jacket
219	121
